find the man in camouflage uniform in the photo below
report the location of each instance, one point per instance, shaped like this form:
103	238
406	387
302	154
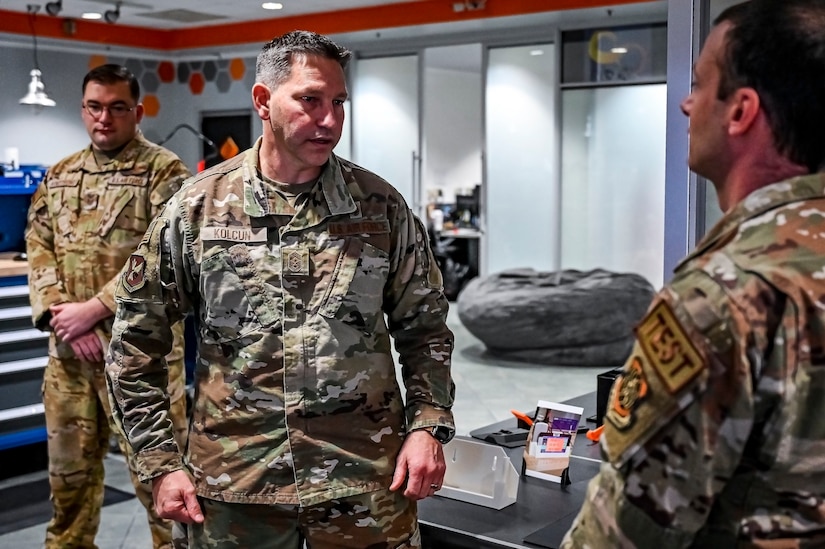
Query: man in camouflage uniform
86	219
300	266
715	435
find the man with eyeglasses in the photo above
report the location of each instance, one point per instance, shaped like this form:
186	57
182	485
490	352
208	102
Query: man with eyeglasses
86	219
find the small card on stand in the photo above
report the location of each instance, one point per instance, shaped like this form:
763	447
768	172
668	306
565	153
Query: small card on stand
550	440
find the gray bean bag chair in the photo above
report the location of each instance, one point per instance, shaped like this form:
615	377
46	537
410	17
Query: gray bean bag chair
567	317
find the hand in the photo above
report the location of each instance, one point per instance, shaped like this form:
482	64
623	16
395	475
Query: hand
88	347
421	464
71	320
175	498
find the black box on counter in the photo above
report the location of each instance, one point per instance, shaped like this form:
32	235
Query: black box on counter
604	382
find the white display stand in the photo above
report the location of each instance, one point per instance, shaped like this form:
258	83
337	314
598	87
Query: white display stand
479	473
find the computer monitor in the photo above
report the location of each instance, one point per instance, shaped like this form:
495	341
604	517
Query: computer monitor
467	202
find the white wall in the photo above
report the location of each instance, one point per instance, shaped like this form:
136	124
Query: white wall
46	136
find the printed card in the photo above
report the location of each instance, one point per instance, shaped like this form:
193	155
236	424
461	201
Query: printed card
550	440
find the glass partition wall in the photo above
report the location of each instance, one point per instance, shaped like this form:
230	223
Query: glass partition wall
452	124
522	172
555	165
613	192
385	120
613	106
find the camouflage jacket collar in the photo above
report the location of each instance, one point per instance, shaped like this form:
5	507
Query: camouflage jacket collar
126	160
329	197
755	204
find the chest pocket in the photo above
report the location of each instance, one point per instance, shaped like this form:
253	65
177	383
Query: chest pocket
238	292
355	293
114	213
64	203
125	204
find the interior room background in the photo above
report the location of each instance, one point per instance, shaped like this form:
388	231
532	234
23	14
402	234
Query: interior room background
570	171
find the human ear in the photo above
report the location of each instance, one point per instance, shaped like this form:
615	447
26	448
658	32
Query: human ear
743	108
260	99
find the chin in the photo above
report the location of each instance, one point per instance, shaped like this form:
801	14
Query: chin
109	146
318	160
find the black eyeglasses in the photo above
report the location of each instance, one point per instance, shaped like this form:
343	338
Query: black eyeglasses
95	110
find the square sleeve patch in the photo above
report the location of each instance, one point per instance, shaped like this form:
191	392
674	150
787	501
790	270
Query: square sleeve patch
669	350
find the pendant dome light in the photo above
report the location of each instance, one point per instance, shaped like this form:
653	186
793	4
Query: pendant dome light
37	95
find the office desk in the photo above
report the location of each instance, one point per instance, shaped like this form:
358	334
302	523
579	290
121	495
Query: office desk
541	515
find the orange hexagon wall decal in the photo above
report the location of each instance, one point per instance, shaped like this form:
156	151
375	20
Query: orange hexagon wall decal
151	105
196	83
166	71
237	68
96	61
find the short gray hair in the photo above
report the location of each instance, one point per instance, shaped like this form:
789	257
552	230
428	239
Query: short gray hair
275	60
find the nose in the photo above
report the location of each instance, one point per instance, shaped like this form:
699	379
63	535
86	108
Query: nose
329	117
685	106
105	114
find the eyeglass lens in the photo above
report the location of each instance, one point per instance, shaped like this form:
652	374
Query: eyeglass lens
117	111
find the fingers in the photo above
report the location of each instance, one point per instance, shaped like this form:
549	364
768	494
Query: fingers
186	509
71	320
67	331
398	477
423	489
421	463
88	347
175	498
193	507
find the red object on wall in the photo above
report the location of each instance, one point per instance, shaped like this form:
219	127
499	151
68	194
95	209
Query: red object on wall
166	71
196	83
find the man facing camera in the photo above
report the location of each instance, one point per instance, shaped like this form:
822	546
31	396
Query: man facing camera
86	219
300	266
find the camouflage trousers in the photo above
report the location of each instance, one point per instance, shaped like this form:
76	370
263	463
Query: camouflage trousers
79	423
378	520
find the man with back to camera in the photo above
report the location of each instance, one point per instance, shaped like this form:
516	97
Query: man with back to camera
291	257
714	435
86	219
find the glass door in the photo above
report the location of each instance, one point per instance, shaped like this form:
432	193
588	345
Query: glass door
451	174
452	125
385	121
522	181
613	170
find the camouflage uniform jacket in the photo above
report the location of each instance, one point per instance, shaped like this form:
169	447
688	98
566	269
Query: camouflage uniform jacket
86	220
714	434
296	392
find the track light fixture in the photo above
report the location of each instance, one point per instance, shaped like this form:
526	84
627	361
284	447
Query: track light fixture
36	96
53	8
111	16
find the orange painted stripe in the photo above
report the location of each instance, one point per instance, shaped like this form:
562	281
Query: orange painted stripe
415	12
86	31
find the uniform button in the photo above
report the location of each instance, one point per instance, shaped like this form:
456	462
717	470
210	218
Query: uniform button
299	306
